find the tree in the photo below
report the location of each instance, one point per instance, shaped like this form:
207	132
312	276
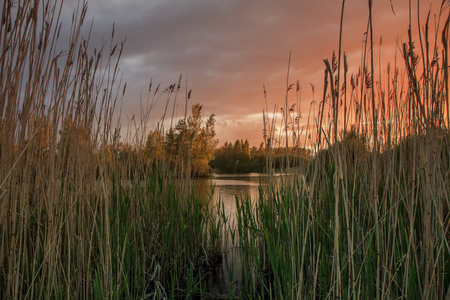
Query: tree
154	146
239	158
188	147
201	141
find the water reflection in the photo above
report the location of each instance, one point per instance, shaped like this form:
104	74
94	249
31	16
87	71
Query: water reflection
225	188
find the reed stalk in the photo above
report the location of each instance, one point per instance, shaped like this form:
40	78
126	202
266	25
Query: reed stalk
83	214
368	217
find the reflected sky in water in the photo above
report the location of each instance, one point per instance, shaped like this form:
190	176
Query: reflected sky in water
225	188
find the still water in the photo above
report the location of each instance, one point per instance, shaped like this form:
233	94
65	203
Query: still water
226	188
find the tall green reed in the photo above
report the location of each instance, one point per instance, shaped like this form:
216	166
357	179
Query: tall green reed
80	217
368	217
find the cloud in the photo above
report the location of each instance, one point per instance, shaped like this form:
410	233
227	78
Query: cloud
227	50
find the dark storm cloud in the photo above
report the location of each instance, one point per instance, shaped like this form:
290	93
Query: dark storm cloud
229	49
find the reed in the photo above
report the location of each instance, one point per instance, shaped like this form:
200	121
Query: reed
83	215
369	216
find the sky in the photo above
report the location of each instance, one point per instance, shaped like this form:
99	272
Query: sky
227	50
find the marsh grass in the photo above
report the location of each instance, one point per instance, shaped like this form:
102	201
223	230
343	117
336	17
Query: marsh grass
80	217
84	216
369	216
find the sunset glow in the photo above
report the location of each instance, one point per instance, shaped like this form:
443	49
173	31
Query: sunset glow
224	149
227	51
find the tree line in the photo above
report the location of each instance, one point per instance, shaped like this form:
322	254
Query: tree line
241	158
187	149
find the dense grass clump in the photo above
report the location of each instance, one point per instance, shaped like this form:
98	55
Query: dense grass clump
363	214
81	215
369	216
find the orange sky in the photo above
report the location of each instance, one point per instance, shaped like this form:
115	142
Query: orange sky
227	50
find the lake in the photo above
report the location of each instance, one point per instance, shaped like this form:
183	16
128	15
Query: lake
226	187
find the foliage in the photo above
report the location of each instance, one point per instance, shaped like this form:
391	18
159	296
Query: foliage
189	145
239	158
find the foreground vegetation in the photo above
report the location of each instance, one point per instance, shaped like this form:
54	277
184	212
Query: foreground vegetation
365	214
369	217
82	215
